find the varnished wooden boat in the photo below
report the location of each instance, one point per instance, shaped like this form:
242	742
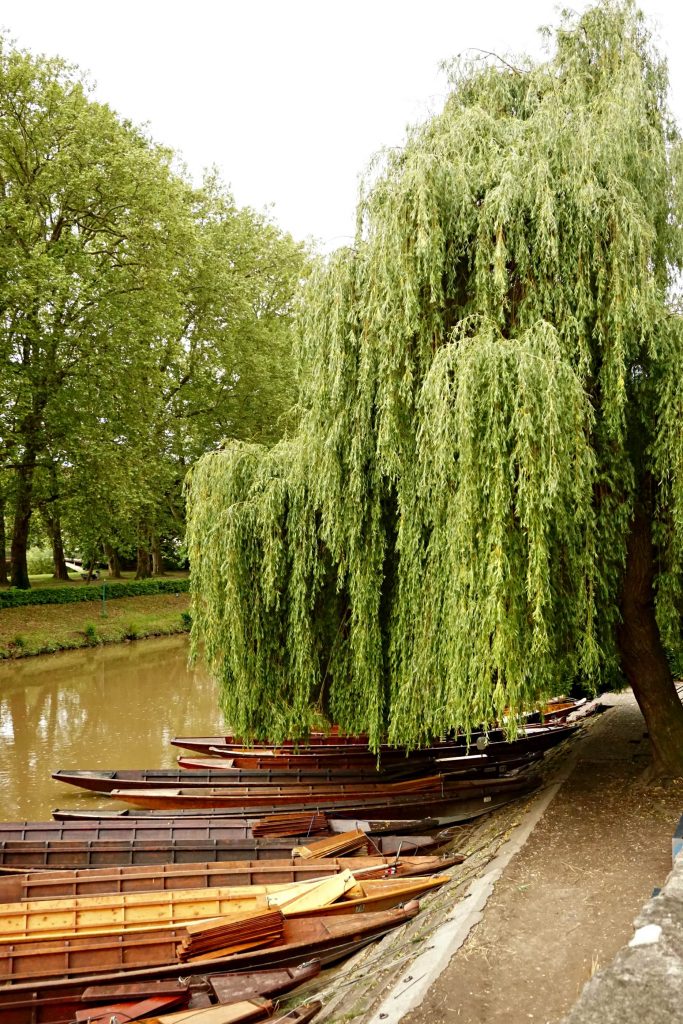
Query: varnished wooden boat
58	1004
316	740
96	881
335	745
492	748
394	800
25	855
111	781
104	960
125	913
223	774
75	918
154	826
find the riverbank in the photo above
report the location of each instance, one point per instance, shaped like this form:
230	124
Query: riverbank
548	898
45	629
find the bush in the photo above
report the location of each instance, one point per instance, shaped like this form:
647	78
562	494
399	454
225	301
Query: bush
186	620
39	561
14	598
91	634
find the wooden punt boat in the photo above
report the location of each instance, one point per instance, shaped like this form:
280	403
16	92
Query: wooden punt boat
336	745
315	740
493	747
56	854
222	774
147	913
104	781
59	1004
390	801
125	913
284	769
105	960
144	825
96	881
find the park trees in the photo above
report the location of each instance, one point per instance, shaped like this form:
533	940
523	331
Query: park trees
132	306
484	499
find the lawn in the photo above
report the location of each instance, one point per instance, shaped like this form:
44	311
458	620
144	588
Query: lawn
41	629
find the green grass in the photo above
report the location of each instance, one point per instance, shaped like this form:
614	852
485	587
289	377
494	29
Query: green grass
43	629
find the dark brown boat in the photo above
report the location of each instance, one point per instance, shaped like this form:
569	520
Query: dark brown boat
98	881
258	784
58	1004
492	748
222	774
336	745
58	854
394	800
103	959
315	740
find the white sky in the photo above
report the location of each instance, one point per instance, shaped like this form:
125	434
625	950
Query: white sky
288	99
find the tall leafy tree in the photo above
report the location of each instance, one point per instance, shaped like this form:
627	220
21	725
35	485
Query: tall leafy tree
141	320
484	499
92	222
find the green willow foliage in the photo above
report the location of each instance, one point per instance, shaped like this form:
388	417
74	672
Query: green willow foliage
486	379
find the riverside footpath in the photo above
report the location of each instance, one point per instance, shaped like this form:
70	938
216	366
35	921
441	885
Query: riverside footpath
566	902
547	897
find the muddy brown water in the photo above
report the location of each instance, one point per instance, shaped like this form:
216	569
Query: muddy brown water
106	707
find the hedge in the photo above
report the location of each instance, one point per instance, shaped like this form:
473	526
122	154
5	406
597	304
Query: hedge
91	592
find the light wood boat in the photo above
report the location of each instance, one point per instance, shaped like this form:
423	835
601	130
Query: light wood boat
155	911
98	881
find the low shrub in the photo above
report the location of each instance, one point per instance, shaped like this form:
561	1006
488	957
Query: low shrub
91	634
15	598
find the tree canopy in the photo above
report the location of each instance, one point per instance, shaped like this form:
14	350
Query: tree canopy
142	319
490	403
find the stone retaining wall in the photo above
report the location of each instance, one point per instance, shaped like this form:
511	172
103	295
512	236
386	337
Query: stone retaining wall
644	983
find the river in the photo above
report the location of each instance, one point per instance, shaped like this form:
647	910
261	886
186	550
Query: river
106	707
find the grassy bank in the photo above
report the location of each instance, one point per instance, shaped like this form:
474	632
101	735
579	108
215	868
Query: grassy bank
44	629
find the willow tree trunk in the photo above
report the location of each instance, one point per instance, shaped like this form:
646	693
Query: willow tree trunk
113	562
643	657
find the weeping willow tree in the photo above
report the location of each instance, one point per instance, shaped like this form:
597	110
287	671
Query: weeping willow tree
484	497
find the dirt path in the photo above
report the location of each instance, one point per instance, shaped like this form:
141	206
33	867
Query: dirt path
566	903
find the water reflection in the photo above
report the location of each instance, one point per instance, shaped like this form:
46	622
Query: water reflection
106	707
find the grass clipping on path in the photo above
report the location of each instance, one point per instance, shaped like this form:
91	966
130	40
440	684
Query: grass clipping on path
43	629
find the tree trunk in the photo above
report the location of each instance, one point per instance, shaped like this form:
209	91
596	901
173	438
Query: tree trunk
642	655
143	571
112	561
157	558
54	530
4	580
53	526
22	519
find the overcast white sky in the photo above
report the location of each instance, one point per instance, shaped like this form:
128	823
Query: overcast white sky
289	98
